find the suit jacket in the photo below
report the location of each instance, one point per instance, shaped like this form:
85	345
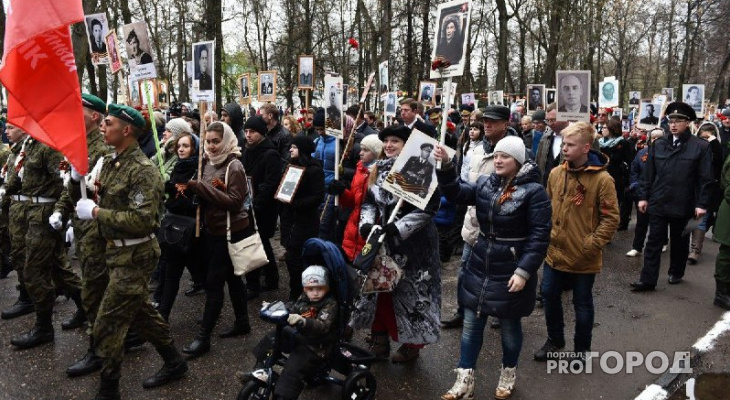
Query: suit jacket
267	88
95	48
206	83
650	120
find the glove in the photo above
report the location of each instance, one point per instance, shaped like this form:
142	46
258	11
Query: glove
217	183
391	230
2	192
365	230
75	174
55	221
336	188
295	319
264	304
70	235
85	209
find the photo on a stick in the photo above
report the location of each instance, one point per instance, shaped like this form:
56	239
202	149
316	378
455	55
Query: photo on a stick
203	86
97	27
451	37
333	88
139	54
574	93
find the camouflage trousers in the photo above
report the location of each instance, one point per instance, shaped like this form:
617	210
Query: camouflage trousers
126	303
47	271
17	226
4	233
90	248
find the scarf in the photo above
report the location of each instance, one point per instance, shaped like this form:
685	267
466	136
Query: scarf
229	145
606	143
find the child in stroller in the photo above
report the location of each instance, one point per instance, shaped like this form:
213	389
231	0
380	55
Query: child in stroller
309	331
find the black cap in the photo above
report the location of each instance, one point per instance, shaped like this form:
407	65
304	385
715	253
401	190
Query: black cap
496	112
538	116
318	120
427	146
256	123
399	131
681	110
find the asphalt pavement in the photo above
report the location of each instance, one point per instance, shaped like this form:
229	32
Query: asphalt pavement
669	320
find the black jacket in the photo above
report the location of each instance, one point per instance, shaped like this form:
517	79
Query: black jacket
263	166
677	180
282	139
365	130
181	203
620	156
300	219
236	114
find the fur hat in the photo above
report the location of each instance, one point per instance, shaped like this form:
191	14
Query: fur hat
372	143
315	275
513	146
399	131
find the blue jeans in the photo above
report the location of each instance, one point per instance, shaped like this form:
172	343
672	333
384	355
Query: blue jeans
472	336
464	259
552	290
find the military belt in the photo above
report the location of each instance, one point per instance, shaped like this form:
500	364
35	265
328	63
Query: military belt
129	242
33	199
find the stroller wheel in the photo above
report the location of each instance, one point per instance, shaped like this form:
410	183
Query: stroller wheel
359	385
254	390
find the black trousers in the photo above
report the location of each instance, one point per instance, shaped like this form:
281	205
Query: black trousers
625	211
270	270
678	252
642	226
173	268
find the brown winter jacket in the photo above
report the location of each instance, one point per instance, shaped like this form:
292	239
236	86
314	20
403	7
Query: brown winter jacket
585	215
216	201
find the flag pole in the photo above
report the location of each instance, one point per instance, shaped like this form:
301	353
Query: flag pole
444	116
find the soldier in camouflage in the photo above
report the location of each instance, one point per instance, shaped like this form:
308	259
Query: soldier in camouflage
5	265
129	199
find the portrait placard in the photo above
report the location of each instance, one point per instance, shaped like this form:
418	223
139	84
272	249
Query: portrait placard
333	90
626	125
203	86
413	176
535	97
450	34
550	95
574	93
694	95
267	86
367	87
468	99
97	27
391	101
427	93
648	115
383	74
134	94
162	93
618	112
496	98
634	98
148	91
244	88
139	54
452	93
608	93
306	72
289	183
669	92
115	59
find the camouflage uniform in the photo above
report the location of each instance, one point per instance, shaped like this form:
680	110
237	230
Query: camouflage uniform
130	194
5	267
16	214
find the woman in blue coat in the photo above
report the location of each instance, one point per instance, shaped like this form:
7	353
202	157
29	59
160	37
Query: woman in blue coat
500	277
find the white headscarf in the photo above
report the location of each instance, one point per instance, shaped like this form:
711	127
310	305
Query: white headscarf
229	145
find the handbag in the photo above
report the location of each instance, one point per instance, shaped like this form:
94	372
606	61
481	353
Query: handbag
177	232
384	274
247	254
364	259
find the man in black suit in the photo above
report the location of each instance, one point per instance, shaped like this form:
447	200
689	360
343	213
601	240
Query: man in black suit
244	88
305	77
418	171
266	86
334	115
571	92
205	82
408	110
97	41
650	119
426	95
634	100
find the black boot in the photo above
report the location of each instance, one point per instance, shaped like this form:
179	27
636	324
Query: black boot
199	346
90	363
175	367
6	267
108	390
79	317
42	332
21	307
722	295
237	329
133	340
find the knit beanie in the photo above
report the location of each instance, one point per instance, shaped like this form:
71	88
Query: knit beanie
304	144
178	126
372	143
315	275
256	123
318	120
513	146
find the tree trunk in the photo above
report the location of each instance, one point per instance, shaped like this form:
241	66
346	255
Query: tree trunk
502	44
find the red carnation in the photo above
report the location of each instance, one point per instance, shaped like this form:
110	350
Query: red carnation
450	126
440	63
353	43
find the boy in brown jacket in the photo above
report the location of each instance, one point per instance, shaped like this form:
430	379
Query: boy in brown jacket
585	217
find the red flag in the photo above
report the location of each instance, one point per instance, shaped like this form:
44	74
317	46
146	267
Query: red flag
39	73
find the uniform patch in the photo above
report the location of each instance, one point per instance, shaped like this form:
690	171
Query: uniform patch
138	198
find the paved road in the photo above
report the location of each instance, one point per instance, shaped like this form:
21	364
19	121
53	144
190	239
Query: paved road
670	319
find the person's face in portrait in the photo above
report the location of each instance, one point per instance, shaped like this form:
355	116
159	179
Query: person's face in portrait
450	31
535	96
134	46
693	94
333	96
635	96
571	90
467	99
426	152
96	31
203	61
649	110
495	95
608	91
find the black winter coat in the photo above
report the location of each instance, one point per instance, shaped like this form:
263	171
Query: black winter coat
236	114
676	180
181	203
300	219
282	139
514	239
263	166
620	156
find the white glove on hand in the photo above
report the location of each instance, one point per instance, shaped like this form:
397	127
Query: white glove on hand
294	319
85	208
75	174
55	221
70	235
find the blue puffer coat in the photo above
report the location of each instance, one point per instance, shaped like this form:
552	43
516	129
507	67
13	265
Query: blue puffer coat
513	240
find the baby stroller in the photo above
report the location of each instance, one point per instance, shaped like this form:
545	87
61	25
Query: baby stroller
346	359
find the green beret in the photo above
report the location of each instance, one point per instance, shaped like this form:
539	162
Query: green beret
94	103
127	113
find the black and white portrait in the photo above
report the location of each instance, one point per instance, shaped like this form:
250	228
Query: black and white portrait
334	89
383	74
202	64
467	99
306	72
390	104
574	92
694	95
97	27
162	93
244	90
137	45
669	92
452	27
535	97
427	92
267	86
608	93
550	96
634	98
648	114
496	98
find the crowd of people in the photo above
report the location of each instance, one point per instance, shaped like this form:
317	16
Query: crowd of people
523	191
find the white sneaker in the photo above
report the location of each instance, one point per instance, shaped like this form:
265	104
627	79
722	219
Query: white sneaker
463	388
664	248
633	253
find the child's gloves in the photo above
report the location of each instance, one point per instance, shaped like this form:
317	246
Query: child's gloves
295	319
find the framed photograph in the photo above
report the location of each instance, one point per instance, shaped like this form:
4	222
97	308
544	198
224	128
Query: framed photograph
535	97
574	93
608	93
694	95
634	98
452	94
267	86
139	54
203	86
496	98
383	74
135	99
427	93
648	114
333	89
306	72
450	37
162	93
550	95
148	92
115	60
468	99
413	176
244	88
626	125
391	102
289	183
618	112
669	92
97	28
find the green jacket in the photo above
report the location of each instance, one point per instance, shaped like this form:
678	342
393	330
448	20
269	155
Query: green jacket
40	175
721	231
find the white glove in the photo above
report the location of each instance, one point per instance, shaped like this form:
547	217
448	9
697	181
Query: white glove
75	174
294	319
264	304
2	192
70	234
85	209
55	220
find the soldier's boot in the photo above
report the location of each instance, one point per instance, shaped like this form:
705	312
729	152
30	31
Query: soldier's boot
23	306
175	367
132	340
722	295
42	332
698	239
79	317
108	390
6	267
90	363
